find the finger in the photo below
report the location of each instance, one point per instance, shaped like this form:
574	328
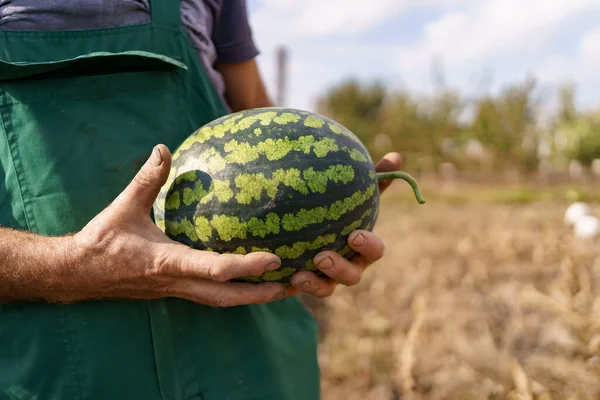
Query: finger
309	283
180	260
205	292
337	268
141	192
367	244
360	261
228	294
390	162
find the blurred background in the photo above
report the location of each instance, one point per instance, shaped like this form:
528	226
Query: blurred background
491	289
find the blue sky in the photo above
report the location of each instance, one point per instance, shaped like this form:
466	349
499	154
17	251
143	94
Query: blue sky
397	41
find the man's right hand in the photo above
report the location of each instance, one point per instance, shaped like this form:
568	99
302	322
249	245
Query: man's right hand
121	253
129	256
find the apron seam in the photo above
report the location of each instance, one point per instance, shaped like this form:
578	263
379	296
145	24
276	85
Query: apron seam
70	354
157	346
156	368
90	33
92	55
217	98
12	149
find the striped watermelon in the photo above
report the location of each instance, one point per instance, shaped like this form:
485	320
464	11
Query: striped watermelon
281	180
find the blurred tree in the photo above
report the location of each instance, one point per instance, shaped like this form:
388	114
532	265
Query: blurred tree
576	135
354	105
582	138
430	130
507	126
567	111
422	128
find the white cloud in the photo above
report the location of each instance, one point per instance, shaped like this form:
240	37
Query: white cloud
589	48
328	40
493	28
580	68
324	17
292	20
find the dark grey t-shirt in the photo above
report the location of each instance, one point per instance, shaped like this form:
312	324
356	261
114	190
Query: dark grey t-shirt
218	29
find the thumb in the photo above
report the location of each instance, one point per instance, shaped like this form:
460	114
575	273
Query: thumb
140	194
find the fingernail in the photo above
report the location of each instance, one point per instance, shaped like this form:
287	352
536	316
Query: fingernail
279	296
324	263
304	285
359	240
156	158
272	266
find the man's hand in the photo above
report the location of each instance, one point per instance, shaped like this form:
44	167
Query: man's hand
140	261
121	253
339	270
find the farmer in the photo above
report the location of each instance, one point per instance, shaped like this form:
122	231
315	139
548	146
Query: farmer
97	303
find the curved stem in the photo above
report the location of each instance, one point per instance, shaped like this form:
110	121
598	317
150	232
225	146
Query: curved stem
386	176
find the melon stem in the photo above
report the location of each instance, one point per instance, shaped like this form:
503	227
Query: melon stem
386	176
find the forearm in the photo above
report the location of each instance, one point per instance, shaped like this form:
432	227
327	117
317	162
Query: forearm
244	86
34	267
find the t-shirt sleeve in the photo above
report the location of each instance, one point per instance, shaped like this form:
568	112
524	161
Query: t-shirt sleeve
232	35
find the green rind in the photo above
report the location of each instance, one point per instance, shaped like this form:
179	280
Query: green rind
258	181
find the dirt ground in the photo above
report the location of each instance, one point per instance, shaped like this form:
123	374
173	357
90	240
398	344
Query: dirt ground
471	301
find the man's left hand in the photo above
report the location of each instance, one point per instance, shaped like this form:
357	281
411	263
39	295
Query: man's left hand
368	246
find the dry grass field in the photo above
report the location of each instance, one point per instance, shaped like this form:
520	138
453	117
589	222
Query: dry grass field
475	299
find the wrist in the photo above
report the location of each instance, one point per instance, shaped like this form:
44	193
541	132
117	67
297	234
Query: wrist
71	254
61	279
36	267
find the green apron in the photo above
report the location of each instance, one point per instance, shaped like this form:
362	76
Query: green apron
80	112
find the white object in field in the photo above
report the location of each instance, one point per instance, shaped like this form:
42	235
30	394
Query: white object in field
575	169
449	172
475	149
576	211
587	227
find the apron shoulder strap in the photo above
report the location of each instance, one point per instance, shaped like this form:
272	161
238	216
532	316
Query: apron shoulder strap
166	12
